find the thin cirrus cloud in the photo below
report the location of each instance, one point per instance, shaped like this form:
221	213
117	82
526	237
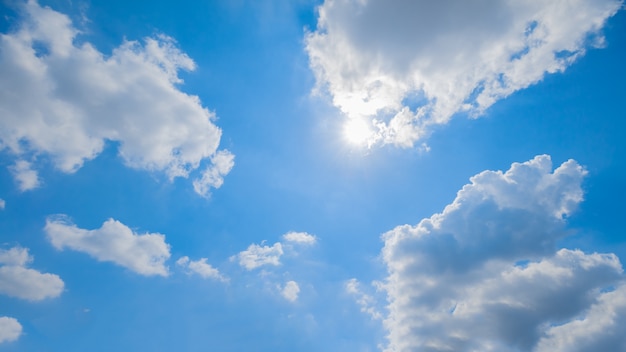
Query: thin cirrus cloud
201	267
114	242
62	99
17	280
10	329
486	274
407	65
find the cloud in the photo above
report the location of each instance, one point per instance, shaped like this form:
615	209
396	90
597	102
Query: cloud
201	267
63	99
300	238
486	275
290	291
366	302
114	242
213	176
10	329
407	65
25	176
2	204
17	280
256	256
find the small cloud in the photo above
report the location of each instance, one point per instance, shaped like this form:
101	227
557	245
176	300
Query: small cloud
10	329
16	280
365	302
114	242
27	178
290	291
201	267
300	238
2	204
256	256
213	176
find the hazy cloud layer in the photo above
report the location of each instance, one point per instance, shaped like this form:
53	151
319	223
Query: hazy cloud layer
406	65
485	274
62	98
114	242
10	329
17	280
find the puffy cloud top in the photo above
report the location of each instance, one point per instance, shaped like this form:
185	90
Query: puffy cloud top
407	64
485	274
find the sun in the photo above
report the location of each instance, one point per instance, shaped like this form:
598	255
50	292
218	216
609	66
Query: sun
357	131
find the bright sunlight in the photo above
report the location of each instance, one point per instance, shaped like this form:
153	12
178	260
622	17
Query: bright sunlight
357	131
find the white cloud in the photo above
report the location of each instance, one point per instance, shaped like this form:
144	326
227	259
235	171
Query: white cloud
485	275
201	267
213	176
407	65
366	302
10	329
17	280
290	291
300	238
114	242
2	204
25	176
62	98
259	255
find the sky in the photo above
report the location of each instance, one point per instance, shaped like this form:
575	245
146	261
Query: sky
312	175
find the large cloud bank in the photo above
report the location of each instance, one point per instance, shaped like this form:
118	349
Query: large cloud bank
486	274
406	65
63	99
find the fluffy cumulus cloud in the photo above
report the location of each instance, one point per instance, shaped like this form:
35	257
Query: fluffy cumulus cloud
62	99
300	238
290	291
10	329
405	65
114	242
259	255
200	267
17	280
213	176
486	275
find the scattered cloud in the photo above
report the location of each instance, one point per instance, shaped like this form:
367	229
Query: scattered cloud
25	176
64	99
408	65
259	255
10	329
485	274
2	204
201	267
16	280
290	291
114	242
300	238
366	302
213	176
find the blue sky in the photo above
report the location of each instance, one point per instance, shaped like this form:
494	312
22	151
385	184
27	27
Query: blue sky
312	175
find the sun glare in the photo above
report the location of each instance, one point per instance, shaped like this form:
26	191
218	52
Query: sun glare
357	131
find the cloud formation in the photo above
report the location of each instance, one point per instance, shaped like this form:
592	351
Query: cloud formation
290	291
10	329
16	280
114	242
300	238
407	65
63	99
259	255
486	275
201	267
